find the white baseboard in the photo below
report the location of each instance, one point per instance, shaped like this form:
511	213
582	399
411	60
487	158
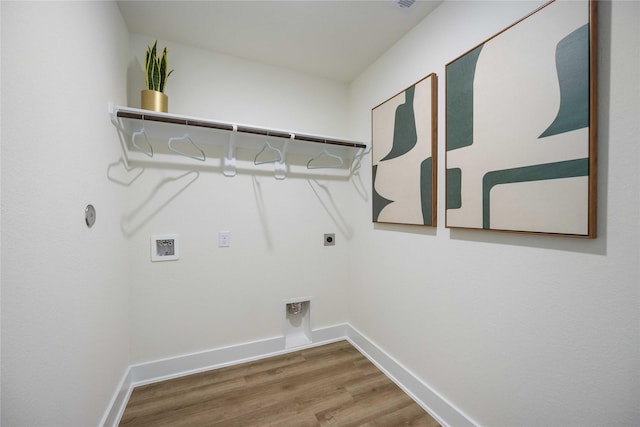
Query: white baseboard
174	367
430	400
118	401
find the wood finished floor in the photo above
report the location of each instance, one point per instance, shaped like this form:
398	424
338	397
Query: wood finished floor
331	385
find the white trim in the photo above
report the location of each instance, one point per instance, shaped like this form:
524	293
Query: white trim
330	334
119	401
187	364
431	401
299	299
446	413
179	366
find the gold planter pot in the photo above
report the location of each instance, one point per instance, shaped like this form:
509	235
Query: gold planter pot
154	101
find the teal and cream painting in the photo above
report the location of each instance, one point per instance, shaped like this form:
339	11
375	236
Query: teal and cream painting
403	150
520	155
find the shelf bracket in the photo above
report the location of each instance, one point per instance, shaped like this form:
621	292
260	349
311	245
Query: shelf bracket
229	161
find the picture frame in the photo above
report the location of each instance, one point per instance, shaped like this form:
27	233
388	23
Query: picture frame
521	126
404	156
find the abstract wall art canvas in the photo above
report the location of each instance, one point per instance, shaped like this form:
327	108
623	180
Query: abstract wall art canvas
521	126
404	154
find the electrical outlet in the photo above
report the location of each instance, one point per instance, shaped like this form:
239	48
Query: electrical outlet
329	239
165	247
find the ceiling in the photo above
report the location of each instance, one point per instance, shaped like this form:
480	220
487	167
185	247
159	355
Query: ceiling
331	39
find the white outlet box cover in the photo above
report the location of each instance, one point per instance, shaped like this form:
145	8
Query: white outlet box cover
224	239
165	247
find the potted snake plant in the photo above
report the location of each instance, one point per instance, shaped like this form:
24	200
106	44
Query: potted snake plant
156	75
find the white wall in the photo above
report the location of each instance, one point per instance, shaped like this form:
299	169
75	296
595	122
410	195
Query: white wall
512	329
65	308
214	297
222	87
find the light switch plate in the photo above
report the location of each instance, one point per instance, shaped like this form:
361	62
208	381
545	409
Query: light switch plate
165	247
224	239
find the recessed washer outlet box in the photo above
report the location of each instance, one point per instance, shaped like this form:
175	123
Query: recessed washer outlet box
165	247
297	323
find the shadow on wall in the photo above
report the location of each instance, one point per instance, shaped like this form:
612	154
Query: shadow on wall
558	243
135	82
324	196
360	186
120	173
326	200
262	211
424	230
162	195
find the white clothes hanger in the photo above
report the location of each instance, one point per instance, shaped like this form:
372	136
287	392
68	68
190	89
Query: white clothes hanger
146	140
268	148
325	154
187	138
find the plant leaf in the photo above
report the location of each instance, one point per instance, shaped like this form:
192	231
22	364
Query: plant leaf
149	70
156	68
146	67
151	67
163	70
156	74
153	50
